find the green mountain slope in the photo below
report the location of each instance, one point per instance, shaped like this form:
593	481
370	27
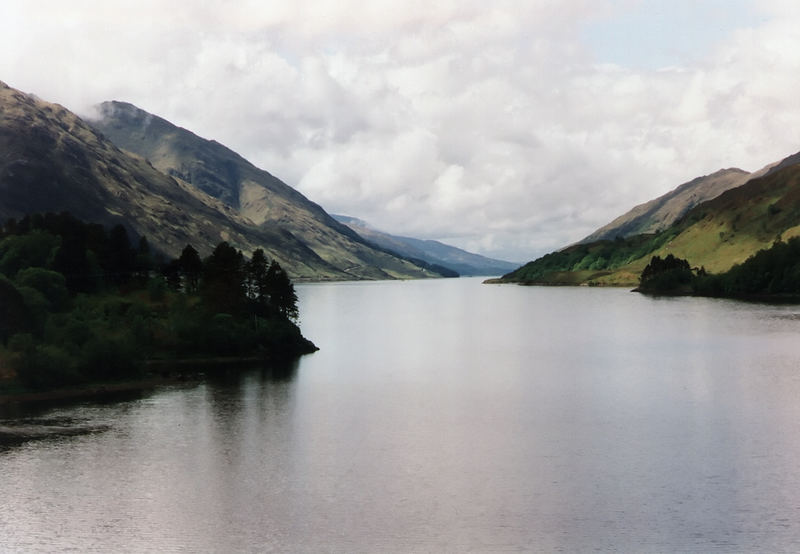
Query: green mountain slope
253	193
715	234
658	214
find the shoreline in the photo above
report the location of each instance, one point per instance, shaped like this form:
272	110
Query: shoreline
157	373
81	392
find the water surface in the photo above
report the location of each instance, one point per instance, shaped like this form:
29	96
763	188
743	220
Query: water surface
446	416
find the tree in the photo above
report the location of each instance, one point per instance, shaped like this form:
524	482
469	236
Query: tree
666	275
222	286
256	271
172	273
144	258
9	227
73	263
119	257
32	250
191	267
51	284
282	296
14	314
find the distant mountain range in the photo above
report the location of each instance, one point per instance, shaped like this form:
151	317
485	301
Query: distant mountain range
166	183
430	251
714	222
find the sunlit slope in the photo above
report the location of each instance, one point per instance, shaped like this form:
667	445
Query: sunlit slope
658	214
253	193
727	230
715	234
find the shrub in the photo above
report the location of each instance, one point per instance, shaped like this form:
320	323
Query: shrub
110	358
42	366
51	284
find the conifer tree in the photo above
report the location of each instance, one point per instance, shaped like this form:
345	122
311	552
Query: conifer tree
282	296
222	285
190	266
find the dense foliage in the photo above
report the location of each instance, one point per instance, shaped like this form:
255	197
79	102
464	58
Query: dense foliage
669	274
80	303
774	271
771	272
597	256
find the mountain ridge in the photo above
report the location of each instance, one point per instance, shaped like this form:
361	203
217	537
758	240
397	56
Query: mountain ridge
659	213
53	160
252	192
431	251
715	234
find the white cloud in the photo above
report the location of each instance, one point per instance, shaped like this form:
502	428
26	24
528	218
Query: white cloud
501	126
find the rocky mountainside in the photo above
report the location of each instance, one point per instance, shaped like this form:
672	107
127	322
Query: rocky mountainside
660	213
431	251
251	192
52	160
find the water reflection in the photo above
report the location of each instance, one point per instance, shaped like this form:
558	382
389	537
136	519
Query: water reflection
446	416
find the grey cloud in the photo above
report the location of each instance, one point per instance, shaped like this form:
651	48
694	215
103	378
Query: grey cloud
492	126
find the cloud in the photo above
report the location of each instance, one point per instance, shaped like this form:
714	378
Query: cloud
509	127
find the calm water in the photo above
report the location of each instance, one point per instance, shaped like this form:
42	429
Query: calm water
445	416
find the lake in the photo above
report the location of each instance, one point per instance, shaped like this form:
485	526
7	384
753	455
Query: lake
443	416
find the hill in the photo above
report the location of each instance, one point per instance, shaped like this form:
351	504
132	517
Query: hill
51	160
252	193
431	251
658	214
715	235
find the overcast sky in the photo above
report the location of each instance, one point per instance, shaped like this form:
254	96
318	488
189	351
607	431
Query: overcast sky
510	128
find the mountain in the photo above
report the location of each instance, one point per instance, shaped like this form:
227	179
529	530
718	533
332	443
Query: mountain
52	160
658	214
253	193
715	234
431	251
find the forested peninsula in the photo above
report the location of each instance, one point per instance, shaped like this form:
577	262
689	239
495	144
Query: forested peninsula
80	303
769	274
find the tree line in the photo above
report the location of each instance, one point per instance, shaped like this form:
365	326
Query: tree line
79	302
603	255
772	272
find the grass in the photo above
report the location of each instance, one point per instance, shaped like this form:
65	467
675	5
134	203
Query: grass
716	235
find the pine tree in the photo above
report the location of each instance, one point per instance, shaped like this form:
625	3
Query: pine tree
282	296
222	285
191	267
257	269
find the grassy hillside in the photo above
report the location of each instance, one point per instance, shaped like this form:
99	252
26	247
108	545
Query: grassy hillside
658	214
716	235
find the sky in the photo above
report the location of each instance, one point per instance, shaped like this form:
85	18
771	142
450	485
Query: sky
510	128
